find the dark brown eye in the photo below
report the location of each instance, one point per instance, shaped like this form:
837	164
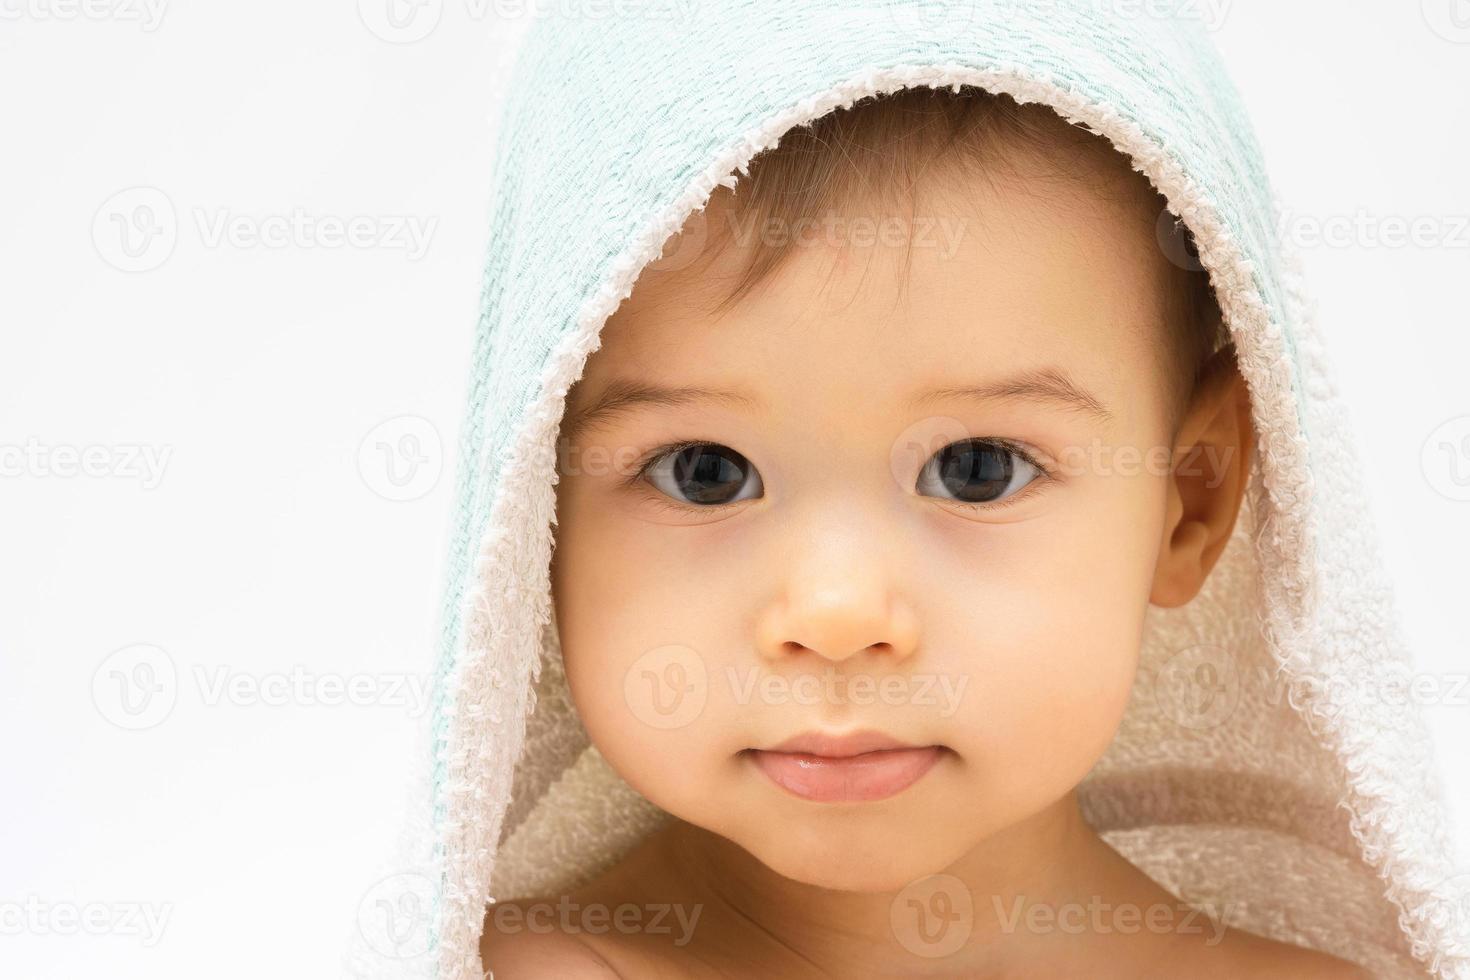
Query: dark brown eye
707	474
976	471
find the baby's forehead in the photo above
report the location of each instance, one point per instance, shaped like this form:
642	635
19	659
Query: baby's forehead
1019	243
1042	245
1023	287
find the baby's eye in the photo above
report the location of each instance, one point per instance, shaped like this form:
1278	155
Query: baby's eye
704	473
977	471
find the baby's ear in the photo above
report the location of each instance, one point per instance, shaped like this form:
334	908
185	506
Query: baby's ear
1211	467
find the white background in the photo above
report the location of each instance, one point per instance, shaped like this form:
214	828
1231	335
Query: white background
264	545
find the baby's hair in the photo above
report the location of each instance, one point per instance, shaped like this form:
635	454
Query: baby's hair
877	149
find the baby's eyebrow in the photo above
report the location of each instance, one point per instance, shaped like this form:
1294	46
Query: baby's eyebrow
621	397
1049	384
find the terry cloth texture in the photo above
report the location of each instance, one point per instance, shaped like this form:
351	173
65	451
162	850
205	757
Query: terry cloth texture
1318	818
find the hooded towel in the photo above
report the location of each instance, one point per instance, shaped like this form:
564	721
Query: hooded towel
1317	818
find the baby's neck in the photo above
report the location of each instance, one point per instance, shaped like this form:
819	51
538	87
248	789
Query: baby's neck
1029	895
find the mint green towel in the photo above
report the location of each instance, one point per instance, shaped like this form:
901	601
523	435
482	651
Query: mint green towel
620	121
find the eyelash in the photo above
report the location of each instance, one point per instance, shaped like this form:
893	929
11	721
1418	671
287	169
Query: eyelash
638	484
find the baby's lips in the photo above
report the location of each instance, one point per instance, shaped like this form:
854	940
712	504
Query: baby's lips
862	777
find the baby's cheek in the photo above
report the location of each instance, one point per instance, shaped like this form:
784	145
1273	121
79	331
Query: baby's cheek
643	714
1057	636
641	659
599	622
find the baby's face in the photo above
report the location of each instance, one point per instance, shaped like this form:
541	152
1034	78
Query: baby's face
930	507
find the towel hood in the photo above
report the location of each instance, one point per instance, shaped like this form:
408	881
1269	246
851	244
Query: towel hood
1318	818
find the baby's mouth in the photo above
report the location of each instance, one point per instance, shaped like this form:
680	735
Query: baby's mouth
855	768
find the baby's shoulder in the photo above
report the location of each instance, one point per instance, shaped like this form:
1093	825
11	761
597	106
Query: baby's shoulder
1296	963
1256	956
513	946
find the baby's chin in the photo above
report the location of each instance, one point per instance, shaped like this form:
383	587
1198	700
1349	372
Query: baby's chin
851	872
873	856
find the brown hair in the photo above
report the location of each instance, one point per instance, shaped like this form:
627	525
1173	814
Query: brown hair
878	148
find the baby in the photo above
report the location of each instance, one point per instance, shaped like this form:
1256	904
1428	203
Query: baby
889	455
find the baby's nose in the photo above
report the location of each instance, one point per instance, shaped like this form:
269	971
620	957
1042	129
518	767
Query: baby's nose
839	620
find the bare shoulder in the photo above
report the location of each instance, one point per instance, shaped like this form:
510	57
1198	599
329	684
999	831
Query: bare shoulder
1287	961
515	946
1257	956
